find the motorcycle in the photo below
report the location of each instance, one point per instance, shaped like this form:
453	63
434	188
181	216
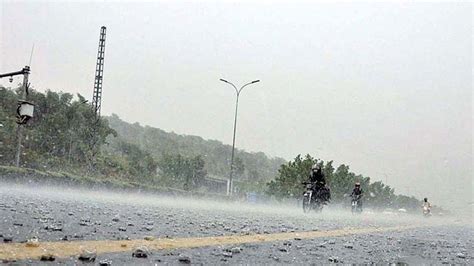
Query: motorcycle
314	200
356	205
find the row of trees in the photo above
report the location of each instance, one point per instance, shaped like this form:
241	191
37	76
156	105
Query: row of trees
65	134
216	155
181	170
62	130
288	184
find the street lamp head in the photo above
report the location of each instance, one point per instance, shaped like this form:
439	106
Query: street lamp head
255	81
224	80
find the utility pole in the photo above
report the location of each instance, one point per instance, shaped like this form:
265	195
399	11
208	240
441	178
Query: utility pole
237	91
99	73
22	118
97	93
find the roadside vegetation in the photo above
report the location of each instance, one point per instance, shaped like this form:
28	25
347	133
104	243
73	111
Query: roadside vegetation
64	139
288	184
65	136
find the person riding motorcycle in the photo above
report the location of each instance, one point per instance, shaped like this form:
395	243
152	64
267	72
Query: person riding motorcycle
318	181
317	176
357	194
357	191
426	207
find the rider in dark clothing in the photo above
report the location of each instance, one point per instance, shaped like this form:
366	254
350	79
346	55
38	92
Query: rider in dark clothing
357	193
318	180
317	176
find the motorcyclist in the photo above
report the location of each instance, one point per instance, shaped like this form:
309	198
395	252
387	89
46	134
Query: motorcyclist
357	191
317	176
426	206
318	181
357	194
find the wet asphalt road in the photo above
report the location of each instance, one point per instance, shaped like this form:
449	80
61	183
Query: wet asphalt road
53	214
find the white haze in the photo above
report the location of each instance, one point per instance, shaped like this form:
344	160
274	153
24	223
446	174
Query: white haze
207	207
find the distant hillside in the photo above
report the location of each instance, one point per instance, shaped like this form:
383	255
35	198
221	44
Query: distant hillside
250	166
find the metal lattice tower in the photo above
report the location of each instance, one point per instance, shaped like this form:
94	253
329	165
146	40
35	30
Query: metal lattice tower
99	72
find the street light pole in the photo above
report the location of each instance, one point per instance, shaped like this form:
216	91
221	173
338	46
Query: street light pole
237	91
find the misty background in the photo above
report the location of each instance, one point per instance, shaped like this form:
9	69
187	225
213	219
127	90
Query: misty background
384	88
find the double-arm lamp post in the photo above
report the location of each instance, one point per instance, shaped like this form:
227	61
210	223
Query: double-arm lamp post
237	91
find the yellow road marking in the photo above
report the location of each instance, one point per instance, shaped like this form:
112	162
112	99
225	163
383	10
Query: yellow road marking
20	251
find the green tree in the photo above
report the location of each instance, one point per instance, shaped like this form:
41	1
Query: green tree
140	163
8	100
288	182
197	172
239	168
60	132
182	171
380	195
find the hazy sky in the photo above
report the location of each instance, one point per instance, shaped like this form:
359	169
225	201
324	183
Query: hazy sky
385	88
